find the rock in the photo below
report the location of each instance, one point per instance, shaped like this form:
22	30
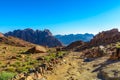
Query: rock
29	78
42	79
115	55
93	53
106	37
37	49
74	44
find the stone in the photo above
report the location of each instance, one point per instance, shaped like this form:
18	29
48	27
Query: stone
37	49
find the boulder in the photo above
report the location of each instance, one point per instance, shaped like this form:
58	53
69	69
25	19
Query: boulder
37	49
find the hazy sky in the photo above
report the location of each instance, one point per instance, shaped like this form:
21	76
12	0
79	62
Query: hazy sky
60	16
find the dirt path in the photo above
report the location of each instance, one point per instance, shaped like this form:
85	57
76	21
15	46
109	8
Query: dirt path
73	68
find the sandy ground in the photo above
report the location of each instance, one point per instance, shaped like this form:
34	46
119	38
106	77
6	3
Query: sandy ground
73	68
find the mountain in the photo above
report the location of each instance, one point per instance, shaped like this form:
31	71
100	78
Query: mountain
102	38
44	38
67	39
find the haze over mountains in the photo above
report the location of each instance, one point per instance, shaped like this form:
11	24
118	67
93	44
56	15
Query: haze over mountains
67	39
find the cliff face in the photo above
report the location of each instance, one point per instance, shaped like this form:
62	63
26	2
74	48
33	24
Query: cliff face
44	38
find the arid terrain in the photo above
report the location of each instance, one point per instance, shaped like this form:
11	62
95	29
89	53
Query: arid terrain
21	60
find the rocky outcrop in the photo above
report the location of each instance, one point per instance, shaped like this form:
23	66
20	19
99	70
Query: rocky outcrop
73	45
103	38
106	37
94	52
116	54
44	38
37	49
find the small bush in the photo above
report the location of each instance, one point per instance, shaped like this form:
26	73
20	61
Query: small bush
21	69
118	45
6	75
10	69
16	64
59	54
49	57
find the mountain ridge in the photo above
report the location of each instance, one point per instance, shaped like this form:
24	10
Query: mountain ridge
39	37
67	39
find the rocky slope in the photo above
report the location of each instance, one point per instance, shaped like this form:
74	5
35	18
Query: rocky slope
106	37
14	41
44	38
74	44
67	39
102	38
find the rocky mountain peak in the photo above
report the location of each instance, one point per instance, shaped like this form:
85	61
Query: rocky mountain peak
44	38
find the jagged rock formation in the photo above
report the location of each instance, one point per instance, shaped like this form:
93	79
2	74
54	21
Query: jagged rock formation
44	38
68	39
103	38
106	37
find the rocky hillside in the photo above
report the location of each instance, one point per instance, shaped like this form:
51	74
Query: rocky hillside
74	44
44	38
14	41
67	39
106	37
102	38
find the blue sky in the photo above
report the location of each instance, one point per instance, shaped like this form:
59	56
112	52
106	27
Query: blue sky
60	16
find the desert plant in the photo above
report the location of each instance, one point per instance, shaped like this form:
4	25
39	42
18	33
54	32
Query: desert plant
22	69
10	69
6	75
118	45
16	64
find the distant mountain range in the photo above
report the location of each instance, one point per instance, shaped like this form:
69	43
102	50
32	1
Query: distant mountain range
44	38
101	39
67	39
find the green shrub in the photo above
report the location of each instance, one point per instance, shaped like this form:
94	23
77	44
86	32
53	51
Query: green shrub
118	45
16	64
60	54
21	69
6	75
49	57
10	69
